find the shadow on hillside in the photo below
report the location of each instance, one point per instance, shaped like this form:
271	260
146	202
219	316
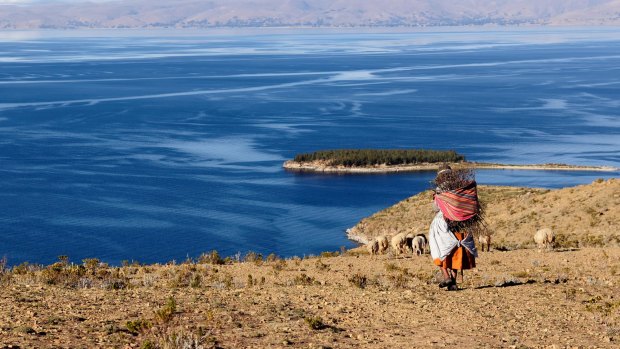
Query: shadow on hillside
508	283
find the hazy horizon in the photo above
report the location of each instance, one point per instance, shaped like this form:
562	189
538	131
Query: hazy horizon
75	14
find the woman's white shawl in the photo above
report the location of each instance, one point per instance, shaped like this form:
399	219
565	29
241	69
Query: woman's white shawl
442	241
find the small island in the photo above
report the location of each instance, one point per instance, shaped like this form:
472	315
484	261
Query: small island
405	160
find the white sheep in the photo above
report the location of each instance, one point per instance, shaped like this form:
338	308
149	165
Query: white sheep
425	242
373	247
384	243
399	243
484	240
418	244
544	238
409	247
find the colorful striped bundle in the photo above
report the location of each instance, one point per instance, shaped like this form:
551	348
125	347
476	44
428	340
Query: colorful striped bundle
459	204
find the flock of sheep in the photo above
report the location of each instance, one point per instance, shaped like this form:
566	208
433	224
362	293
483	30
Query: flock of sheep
401	243
406	243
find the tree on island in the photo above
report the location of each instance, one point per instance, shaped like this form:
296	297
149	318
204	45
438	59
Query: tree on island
372	157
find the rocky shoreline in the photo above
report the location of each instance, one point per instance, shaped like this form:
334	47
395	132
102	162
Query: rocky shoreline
324	167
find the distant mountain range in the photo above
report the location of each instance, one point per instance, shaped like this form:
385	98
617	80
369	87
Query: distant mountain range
306	13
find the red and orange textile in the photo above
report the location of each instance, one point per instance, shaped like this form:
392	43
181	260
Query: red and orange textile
459	204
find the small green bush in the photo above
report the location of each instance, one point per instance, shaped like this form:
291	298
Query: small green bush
253	257
359	280
138	326
304	279
315	322
166	313
210	258
328	254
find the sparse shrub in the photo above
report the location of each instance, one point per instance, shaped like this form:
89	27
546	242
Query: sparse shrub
115	284
25	330
5	275
304	279
296	260
596	304
165	313
3	264
279	265
391	267
570	294
196	281
224	281
183	278
566	240
399	280
138	326
272	258
210	258
60	273
315	322
53	320
24	268
147	344
253	257
91	264
63	259
592	241
359	280
84	282
327	254
321	266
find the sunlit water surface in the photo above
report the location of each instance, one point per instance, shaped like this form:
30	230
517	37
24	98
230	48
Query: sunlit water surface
154	146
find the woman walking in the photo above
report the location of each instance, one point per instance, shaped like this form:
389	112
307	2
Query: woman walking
458	219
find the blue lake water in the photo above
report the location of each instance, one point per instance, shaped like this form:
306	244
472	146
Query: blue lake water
154	146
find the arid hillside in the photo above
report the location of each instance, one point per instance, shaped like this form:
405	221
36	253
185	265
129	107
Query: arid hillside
521	298
515	299
582	216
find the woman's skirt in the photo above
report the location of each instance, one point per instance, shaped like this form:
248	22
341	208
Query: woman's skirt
459	258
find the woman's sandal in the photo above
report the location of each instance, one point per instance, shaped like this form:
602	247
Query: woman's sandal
446	283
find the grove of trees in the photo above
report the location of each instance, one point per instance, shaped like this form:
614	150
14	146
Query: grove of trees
371	157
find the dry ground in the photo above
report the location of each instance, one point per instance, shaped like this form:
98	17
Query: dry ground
518	298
